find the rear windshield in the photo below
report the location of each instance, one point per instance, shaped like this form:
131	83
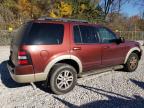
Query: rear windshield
40	34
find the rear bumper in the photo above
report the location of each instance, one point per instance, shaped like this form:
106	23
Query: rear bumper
25	78
20	78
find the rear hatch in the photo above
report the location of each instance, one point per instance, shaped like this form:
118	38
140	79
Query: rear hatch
16	42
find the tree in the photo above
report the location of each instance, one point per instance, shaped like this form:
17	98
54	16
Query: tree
7	17
24	8
112	5
117	21
140	5
81	9
140	24
28	9
61	9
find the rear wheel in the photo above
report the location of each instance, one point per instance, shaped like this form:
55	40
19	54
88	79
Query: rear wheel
132	63
63	78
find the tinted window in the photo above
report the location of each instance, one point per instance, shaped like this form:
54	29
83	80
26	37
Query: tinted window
20	33
77	35
106	35
45	33
85	34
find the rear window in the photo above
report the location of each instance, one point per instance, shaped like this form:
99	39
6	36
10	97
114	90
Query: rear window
20	33
41	34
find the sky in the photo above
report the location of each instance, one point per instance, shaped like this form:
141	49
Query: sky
130	9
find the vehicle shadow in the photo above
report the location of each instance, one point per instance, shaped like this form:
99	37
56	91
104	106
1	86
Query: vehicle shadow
114	100
138	83
6	78
44	87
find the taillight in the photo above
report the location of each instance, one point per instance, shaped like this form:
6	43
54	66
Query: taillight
23	58
22	62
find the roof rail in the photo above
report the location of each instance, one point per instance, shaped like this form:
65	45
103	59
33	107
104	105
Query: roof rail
61	19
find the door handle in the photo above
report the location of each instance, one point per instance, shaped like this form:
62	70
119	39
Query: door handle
77	48
106	47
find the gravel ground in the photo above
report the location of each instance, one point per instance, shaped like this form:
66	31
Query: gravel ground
108	90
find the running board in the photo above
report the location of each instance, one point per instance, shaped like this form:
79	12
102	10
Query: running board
93	72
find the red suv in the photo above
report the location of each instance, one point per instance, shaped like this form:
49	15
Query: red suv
59	51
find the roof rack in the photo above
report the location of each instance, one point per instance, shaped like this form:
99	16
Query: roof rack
61	19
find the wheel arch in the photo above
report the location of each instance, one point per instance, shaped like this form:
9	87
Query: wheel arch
64	59
136	50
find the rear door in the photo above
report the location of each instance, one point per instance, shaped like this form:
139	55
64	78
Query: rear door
86	46
112	53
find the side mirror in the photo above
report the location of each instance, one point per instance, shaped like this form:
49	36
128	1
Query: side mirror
119	40
122	39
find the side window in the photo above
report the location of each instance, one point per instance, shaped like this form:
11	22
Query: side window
77	35
106	35
85	34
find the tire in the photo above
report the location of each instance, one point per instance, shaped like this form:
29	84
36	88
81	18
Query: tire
132	63
60	74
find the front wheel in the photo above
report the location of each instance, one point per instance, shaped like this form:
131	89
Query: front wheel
132	63
63	78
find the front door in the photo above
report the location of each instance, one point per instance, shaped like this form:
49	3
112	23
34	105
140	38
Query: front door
112	53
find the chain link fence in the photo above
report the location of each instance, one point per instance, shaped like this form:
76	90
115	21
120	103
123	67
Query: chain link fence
132	35
6	36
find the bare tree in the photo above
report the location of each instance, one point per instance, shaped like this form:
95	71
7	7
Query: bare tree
112	5
139	4
106	4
